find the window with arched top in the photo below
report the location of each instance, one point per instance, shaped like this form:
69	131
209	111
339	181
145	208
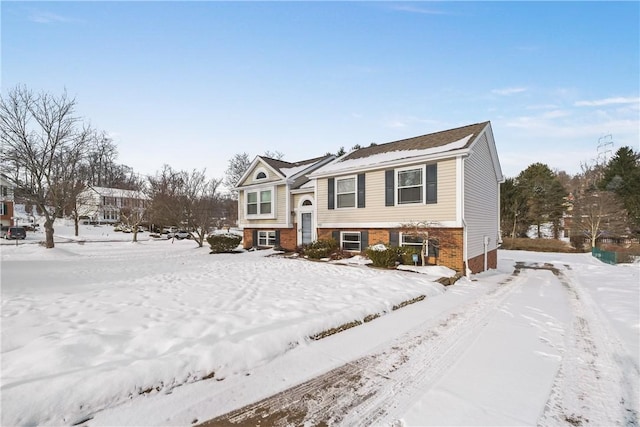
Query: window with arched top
261	175
307	203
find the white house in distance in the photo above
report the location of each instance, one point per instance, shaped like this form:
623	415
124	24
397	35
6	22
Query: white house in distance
448	181
6	201
103	205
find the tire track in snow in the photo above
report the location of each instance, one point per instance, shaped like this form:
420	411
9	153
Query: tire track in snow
366	391
596	361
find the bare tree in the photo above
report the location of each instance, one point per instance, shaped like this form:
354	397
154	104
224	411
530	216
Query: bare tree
39	132
165	190
598	213
238	165
133	213
274	154
199	202
428	234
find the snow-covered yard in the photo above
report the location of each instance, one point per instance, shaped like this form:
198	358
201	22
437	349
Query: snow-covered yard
116	333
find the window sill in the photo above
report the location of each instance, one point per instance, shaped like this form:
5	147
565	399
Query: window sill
268	216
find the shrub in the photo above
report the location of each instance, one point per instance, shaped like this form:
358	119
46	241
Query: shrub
221	243
406	255
383	256
537	245
320	249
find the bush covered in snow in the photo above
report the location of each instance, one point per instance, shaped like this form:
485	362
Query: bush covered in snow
383	256
221	243
322	248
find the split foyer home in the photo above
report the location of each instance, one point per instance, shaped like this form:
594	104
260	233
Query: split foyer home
443	187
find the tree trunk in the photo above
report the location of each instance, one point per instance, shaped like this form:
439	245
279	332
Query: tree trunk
48	231
76	220
515	223
135	234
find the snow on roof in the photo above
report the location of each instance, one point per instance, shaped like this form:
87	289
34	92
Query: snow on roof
118	192
350	163
288	169
416	147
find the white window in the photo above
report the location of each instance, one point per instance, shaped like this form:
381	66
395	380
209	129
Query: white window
266	238
346	192
265	202
252	203
410	188
260	174
412	241
350	241
432	248
260	202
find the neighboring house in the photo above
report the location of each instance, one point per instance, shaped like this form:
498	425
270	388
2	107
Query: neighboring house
448	181
276	202
104	205
6	202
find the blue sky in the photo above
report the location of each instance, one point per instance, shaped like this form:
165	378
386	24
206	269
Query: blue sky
190	84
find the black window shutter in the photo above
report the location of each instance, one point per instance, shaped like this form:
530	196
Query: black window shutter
277	237
361	190
336	236
389	187
364	240
254	236
331	183
394	239
432	183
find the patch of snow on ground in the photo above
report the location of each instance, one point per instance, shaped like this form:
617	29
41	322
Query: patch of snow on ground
105	332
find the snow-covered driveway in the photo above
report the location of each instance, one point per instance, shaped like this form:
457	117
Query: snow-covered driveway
115	334
530	351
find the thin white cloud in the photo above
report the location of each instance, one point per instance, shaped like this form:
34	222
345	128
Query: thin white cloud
607	101
43	17
555	114
509	90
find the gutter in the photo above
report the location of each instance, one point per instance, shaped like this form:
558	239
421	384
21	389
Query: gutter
392	163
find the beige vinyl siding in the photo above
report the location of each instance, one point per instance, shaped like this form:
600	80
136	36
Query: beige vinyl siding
270	175
300	196
375	210
280	207
481	204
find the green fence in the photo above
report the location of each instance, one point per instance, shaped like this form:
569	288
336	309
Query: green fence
605	256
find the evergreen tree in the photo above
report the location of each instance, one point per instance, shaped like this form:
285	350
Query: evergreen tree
622	176
545	197
513	209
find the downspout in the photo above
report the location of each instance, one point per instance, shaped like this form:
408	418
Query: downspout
460	180
287	209
486	244
464	248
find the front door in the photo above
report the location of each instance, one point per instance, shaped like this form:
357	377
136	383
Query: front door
307	227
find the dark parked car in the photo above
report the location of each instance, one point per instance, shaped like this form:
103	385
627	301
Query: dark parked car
15	233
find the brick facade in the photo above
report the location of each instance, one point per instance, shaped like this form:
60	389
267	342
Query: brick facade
450	255
7	213
288	237
451	241
476	264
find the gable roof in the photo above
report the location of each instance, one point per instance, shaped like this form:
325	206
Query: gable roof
287	170
437	143
118	192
